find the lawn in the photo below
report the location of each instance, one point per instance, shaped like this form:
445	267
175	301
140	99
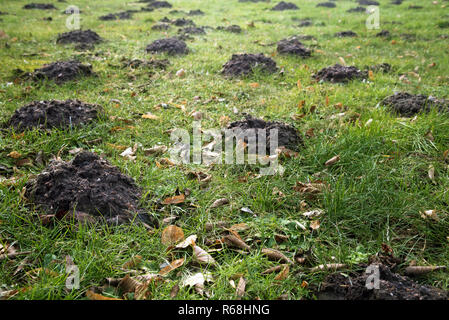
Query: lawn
391	169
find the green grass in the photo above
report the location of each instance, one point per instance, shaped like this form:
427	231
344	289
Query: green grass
376	190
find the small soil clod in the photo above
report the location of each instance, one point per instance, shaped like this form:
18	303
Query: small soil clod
40	6
339	73
326	5
244	64
53	114
347	33
125	15
87	185
408	105
171	46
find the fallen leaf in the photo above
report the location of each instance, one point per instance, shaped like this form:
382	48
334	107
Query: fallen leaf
133	262
315	224
273	269
276	255
174	291
189	241
175	200
219	202
156	150
95	296
197	278
128	284
419	270
283	274
201	256
233	241
313	214
332	160
171	235
172	266
14	155
150	116
431	214
241	286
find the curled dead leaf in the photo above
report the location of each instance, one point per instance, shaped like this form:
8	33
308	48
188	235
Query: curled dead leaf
276	255
174	200
171	235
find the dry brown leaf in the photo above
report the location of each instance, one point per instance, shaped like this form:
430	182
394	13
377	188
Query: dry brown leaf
332	160
315	224
201	256
273	269
171	235
172	266
419	270
284	273
133	262
190	241
233	241
150	116
276	255
174	291
128	284
14	155
239	227
429	214
95	296
156	150
175	200
219	202
241	286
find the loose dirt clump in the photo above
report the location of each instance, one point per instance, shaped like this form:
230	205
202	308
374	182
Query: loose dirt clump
159	4
339	73
288	136
281	6
347	33
195	13
356	9
40	6
125	15
408	105
181	22
368	2
326	4
171	46
293	46
192	30
161	26
151	64
53	114
87	185
392	286
383	33
79	36
232	28
244	64
305	23
62	71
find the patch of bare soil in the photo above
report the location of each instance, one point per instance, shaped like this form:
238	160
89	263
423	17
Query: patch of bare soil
407	105
232	28
40	6
87	187
53	114
326	5
62	71
347	33
171	46
150	64
124	15
288	136
293	46
392	286
281	6
339	73
79	36
244	64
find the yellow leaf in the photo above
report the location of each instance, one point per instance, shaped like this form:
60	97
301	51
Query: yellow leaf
298	83
150	116
171	235
174	200
371	75
14	155
284	273
254	85
172	266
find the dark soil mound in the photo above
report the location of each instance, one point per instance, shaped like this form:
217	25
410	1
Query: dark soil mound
183	22
53	114
396	2
3	13
192	30
407	105
281	6
169	45
326	4
87	185
161	26
125	15
357	9
347	33
288	136
392	286
368	2
383	33
62	71
293	46
41	6
305	23
159	4
232	28
151	64
339	73
244	64
79	36
195	13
